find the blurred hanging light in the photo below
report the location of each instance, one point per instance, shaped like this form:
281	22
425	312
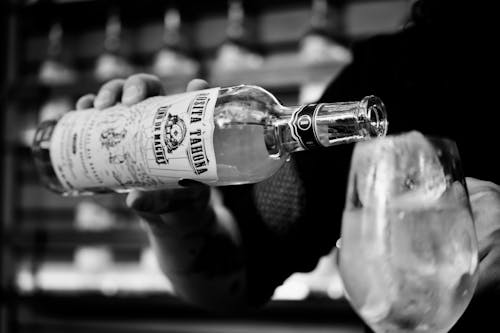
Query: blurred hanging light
174	58
237	50
318	44
111	63
54	70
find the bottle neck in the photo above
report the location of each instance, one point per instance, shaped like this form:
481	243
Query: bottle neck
319	15
112	38
235	29
322	125
55	41
171	29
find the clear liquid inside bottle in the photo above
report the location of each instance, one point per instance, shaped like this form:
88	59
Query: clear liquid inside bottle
252	138
246	147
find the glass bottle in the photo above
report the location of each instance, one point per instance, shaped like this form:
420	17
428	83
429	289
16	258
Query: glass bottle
321	42
219	136
55	70
174	57
111	63
237	52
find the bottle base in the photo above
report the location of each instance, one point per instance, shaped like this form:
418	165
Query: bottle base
41	156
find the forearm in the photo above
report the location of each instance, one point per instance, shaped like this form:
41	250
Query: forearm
197	247
481	316
203	260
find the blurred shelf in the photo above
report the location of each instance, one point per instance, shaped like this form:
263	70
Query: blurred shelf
189	8
182	326
163	305
29	88
163	313
223	3
58	238
63	209
278	75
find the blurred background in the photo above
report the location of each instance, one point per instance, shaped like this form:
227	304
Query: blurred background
84	264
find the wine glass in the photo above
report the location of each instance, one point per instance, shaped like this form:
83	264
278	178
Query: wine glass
408	256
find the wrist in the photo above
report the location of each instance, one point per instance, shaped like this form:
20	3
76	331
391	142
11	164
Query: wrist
179	214
210	245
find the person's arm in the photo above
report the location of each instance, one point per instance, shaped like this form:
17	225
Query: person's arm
231	251
482	313
485	203
197	243
194	236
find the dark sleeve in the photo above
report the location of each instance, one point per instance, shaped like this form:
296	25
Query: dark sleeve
346	86
374	67
293	218
481	315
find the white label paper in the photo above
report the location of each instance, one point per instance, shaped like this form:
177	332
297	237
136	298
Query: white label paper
150	145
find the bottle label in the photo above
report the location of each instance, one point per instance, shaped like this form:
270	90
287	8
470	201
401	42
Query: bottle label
150	145
303	126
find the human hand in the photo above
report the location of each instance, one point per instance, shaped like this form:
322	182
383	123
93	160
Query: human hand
184	204
485	203
175	218
481	314
130	91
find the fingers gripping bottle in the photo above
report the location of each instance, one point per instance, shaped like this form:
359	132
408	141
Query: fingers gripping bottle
219	136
